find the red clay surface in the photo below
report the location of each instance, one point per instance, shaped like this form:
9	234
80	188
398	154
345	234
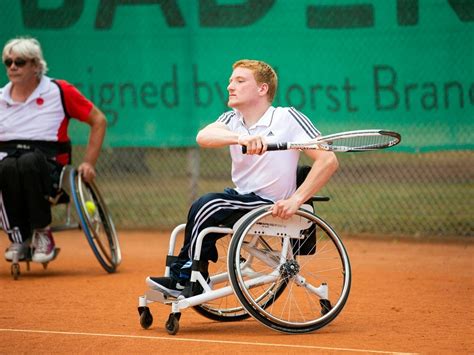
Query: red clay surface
406	296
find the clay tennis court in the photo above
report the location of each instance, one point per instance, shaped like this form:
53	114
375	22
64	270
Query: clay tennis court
407	296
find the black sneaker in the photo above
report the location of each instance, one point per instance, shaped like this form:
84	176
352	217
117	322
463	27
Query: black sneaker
167	285
193	288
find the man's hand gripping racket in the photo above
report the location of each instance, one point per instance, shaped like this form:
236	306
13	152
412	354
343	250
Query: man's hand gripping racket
350	141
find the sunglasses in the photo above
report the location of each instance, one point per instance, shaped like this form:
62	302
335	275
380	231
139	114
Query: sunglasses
19	62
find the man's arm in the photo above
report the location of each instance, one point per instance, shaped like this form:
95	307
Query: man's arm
324	165
217	134
98	124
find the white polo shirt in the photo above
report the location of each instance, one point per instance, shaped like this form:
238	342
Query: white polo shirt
273	174
45	114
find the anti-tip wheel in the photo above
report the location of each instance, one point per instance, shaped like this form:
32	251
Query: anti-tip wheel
325	306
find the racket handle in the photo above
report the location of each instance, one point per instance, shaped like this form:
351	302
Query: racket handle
270	146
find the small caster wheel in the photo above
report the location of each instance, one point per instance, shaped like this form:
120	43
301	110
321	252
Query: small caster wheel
15	271
146	319
172	324
325	306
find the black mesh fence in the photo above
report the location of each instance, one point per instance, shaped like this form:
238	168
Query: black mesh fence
405	194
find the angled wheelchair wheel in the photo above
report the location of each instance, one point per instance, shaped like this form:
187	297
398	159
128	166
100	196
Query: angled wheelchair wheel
317	282
96	222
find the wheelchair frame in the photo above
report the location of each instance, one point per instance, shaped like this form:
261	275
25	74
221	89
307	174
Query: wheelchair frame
97	225
266	277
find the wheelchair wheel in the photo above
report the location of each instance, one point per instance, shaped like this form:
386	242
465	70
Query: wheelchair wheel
317	283
96	222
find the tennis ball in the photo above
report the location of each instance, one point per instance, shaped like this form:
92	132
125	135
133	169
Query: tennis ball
90	206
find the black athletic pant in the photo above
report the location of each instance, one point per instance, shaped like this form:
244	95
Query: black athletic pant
26	182
212	210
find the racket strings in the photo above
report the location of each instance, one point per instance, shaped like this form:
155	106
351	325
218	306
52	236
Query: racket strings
363	142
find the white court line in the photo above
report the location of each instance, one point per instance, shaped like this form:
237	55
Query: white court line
198	340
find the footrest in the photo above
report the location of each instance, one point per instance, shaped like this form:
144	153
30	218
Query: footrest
157	296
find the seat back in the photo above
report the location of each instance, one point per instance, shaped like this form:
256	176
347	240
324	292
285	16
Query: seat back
307	244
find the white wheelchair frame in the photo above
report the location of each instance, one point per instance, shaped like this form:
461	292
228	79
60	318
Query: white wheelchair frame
263	268
97	225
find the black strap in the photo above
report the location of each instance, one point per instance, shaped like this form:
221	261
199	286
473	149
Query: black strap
50	149
63	100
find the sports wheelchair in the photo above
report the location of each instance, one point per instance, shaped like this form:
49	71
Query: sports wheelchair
291	275
91	216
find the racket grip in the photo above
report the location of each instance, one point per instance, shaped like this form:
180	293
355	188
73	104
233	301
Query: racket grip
270	146
277	146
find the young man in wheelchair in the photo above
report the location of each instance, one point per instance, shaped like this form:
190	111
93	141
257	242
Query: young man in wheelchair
34	146
260	177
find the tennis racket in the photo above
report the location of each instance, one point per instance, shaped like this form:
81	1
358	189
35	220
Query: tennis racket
350	141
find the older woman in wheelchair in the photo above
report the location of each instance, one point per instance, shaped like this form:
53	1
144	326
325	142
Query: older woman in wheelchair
35	111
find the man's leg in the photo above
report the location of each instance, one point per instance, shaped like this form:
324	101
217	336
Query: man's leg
213	209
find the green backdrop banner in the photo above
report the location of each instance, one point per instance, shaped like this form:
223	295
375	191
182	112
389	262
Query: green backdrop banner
159	68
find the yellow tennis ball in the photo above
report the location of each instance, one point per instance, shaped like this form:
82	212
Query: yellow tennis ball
90	206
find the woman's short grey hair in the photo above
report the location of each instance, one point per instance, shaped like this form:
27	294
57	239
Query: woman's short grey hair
28	48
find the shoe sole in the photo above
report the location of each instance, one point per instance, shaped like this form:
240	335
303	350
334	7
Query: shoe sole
166	291
47	259
23	258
